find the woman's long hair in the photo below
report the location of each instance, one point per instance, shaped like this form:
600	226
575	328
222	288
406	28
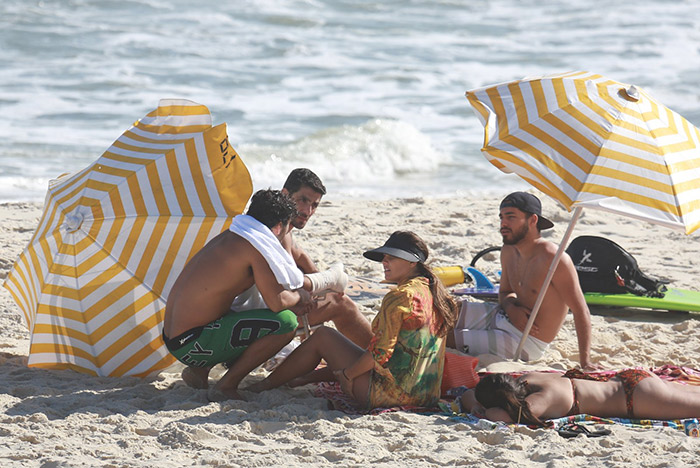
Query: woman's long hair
506	392
444	305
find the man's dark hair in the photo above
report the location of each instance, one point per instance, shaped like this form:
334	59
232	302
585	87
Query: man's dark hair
303	177
271	207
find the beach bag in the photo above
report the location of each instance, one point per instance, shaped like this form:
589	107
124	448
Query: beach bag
605	267
459	370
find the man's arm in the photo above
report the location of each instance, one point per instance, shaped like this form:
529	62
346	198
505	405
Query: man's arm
301	258
275	296
506	295
566	282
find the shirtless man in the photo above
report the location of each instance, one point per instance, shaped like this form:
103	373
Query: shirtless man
199	327
525	259
306	190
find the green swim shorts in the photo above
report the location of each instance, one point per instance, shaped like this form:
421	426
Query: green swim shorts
225	339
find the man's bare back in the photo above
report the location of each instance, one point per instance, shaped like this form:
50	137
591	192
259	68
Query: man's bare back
226	267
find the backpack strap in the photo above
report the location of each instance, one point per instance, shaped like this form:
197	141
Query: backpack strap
632	286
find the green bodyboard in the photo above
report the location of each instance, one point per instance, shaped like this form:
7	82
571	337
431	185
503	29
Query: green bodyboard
361	289
674	299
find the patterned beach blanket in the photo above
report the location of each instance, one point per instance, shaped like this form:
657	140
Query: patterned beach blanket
687	375
459	369
338	400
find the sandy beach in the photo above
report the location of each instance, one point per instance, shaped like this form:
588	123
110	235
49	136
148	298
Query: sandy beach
53	418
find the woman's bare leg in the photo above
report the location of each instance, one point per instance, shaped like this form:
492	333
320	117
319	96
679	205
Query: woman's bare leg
324	374
326	343
657	399
686	387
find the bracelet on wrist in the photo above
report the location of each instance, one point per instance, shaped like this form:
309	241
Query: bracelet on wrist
345	375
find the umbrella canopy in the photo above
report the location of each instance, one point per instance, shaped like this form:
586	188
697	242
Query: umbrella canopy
113	238
589	141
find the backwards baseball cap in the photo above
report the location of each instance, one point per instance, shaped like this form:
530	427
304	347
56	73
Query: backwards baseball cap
528	203
396	246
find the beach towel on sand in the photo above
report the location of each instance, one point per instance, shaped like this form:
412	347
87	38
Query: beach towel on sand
690	426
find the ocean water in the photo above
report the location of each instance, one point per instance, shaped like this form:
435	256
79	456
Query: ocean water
369	95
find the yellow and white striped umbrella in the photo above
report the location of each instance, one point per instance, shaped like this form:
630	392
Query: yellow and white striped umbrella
113	238
589	141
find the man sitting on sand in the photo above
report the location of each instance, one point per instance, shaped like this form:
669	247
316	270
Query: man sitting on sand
199	327
497	328
306	190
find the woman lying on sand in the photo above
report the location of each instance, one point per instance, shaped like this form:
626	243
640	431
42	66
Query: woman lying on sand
535	397
404	361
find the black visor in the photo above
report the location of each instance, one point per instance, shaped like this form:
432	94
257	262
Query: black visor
396	247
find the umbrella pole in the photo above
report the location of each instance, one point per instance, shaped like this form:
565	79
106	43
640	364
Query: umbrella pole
547	280
307	328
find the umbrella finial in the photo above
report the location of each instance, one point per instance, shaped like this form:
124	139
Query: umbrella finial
631	93
73	221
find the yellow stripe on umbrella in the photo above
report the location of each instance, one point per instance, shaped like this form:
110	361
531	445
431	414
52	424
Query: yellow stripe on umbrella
93	281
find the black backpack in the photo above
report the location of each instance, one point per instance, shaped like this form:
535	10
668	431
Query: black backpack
605	267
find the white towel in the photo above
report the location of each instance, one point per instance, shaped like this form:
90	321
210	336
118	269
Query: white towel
288	275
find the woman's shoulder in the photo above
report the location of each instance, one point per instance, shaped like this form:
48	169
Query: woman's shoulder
408	289
413	286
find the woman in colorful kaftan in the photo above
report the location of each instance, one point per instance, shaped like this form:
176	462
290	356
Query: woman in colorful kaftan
403	363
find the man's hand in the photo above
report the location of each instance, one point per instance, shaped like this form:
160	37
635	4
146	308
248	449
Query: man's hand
587	365
305	304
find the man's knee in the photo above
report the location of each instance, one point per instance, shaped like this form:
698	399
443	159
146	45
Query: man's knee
347	308
340	302
288	322
324	334
347	303
335	307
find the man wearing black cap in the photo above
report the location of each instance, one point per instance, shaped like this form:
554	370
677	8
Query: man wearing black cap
525	259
